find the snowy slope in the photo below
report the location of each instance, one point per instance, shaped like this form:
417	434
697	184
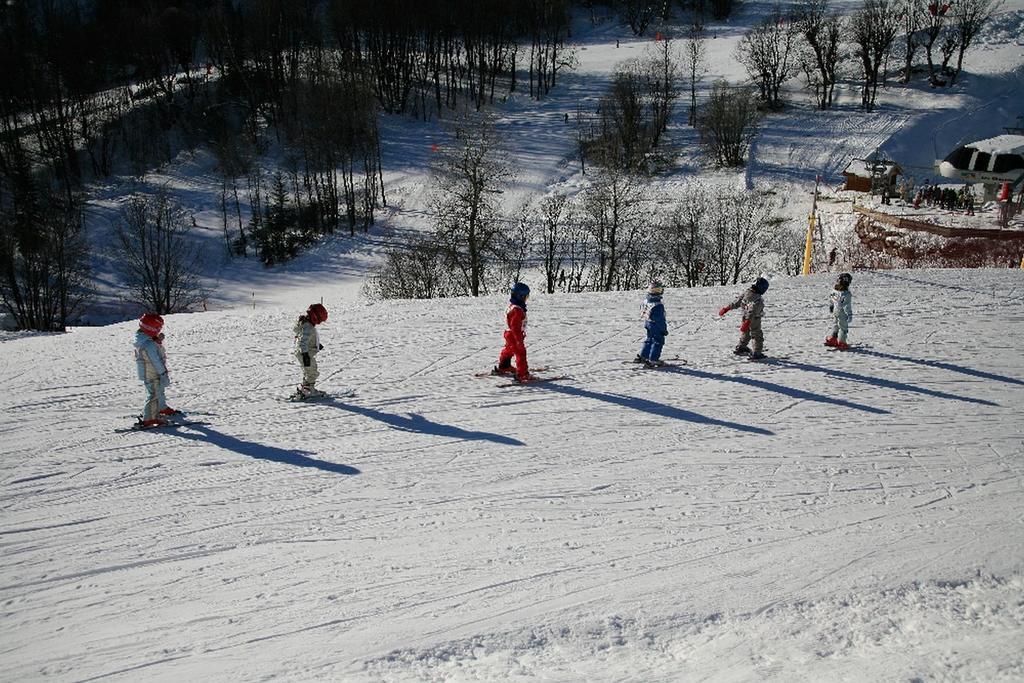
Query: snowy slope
825	516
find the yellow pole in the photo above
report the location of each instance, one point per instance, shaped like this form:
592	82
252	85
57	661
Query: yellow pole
1022	262
806	270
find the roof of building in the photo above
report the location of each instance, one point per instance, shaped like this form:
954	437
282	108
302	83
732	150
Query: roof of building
863	167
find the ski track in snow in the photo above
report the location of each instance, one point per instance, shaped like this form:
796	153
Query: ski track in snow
828	515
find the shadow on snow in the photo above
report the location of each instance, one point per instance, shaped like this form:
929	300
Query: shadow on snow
943	366
652	407
260	451
779	389
879	382
421	425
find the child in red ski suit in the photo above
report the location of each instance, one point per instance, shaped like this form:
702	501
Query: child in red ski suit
515	336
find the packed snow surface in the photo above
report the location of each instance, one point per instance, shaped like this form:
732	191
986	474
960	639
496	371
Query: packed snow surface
819	516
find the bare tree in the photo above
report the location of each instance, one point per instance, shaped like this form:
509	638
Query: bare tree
554	237
695	52
745	228
822	29
911	14
683	248
160	260
614	206
663	83
969	16
416	271
467	177
873	28
768	53
937	31
728	124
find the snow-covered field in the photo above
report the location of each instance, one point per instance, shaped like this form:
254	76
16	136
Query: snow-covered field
822	516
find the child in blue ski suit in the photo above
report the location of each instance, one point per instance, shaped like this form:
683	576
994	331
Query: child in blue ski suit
653	315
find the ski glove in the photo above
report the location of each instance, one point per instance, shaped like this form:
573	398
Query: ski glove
745	326
723	310
849	318
319	347
165	380
831	308
305	360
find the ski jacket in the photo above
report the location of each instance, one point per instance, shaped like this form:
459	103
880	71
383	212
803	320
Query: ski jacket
751	303
842	304
515	318
148	363
306	338
653	314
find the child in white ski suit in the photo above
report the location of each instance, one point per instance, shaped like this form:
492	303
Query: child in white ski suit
151	368
750	327
307	345
841	308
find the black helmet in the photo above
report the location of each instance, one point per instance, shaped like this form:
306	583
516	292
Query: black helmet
760	285
844	279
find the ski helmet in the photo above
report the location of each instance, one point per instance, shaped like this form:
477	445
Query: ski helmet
844	279
520	290
316	313
656	288
760	285
151	324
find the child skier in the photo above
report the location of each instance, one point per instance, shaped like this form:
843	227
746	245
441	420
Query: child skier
165	409
653	315
307	345
151	369
841	308
753	309
515	336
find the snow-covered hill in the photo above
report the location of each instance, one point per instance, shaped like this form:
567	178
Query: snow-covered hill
823	516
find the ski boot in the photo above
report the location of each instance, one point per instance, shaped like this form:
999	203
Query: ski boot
831	341
654	363
155	422
842	346
524	379
506	370
639	359
169	411
757	355
742	350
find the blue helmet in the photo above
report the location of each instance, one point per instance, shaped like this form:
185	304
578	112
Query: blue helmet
760	285
520	290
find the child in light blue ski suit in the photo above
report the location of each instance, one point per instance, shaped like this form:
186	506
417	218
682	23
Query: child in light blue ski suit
653	315
151	369
841	308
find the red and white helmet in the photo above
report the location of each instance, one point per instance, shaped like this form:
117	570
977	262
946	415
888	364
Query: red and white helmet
316	314
151	324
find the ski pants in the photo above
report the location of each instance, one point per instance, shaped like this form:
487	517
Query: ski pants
840	327
652	347
155	400
754	333
310	372
513	348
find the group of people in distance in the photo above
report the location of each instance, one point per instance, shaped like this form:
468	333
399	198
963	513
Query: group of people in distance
151	357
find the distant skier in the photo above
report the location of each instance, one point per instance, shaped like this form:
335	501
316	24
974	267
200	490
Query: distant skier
165	409
653	315
515	336
307	346
151	369
841	308
753	310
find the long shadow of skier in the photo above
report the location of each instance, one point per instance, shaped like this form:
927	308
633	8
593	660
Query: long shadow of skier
981	374
652	407
879	382
421	425
204	434
779	389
